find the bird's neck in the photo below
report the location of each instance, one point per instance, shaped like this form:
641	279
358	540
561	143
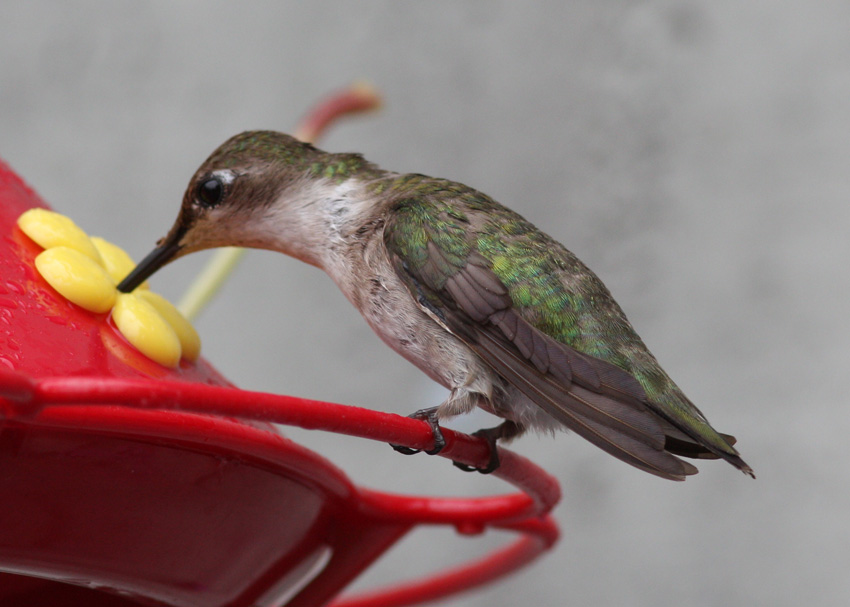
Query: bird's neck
320	220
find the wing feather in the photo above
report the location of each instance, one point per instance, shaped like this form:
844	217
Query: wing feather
586	395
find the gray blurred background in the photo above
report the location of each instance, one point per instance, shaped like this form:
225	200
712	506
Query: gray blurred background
692	153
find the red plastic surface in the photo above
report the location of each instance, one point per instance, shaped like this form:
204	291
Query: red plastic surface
124	483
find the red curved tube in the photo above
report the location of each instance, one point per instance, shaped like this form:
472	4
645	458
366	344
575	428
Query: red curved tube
540	534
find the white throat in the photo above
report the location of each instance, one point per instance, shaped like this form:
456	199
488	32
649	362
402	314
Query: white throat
316	222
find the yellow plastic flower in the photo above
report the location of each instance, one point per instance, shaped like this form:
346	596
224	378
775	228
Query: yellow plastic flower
86	271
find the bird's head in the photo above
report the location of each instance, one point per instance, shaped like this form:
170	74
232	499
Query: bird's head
239	196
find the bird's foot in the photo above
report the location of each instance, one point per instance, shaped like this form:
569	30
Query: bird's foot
494	462
505	430
429	416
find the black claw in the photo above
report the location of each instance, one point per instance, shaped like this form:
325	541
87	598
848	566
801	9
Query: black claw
405	450
494	462
430	416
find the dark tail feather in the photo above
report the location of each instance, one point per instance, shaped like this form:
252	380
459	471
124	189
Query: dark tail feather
678	442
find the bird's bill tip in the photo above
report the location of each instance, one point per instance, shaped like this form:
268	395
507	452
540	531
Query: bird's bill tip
157	258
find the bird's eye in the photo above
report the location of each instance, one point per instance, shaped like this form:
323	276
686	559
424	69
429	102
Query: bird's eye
210	192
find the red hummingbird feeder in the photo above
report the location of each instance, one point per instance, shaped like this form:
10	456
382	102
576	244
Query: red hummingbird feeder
123	482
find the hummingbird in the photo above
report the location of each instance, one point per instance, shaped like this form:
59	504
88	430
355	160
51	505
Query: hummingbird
478	298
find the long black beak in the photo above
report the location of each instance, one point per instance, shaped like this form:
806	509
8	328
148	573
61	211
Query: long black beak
150	264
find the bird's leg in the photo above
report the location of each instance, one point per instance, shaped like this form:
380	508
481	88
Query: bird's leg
430	416
505	430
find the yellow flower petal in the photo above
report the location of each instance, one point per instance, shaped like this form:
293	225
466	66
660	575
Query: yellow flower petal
50	229
77	278
146	329
190	341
